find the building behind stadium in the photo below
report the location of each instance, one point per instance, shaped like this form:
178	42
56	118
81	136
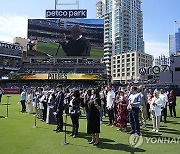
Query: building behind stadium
123	34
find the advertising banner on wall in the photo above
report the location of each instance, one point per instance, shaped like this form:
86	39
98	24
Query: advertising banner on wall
61	76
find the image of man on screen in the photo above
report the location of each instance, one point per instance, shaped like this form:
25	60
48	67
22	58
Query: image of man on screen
78	45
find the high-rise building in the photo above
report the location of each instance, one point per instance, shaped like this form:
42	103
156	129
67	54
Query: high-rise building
174	43
123	27
162	60
177	40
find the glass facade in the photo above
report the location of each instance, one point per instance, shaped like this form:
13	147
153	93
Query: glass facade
124	25
177	39
172	45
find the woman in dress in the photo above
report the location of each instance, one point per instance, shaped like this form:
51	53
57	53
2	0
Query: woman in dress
121	119
93	126
29	101
155	107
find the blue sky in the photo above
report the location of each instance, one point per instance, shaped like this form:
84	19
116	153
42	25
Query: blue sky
159	17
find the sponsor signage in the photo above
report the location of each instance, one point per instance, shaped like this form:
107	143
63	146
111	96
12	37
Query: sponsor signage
11	91
66	13
10	46
61	76
153	70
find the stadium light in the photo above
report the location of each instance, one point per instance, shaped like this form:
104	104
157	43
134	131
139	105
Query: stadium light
58	3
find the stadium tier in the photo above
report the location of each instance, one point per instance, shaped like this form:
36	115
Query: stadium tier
10	58
62	69
66	65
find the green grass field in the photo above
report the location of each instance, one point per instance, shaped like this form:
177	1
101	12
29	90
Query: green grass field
51	48
17	136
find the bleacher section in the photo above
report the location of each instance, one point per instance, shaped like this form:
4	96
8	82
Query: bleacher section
71	65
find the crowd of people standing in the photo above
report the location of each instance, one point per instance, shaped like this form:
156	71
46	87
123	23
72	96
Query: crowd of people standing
130	104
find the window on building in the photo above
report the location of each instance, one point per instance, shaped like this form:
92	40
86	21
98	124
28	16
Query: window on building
128	74
122	65
128	64
128	60
128	55
123	74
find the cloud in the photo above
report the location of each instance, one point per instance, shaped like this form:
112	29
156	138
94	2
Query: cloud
156	48
12	26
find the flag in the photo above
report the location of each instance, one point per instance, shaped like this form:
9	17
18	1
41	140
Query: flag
177	22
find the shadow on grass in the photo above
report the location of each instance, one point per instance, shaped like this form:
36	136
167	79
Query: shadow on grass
82	117
2	116
171	131
120	146
150	125
173	122
148	133
109	144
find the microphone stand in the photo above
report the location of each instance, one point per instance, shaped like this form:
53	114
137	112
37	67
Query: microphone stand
35	119
7	104
58	48
65	142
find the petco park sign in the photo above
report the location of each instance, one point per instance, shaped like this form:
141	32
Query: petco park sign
66	13
153	70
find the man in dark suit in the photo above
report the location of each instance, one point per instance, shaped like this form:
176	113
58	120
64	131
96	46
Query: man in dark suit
78	45
59	107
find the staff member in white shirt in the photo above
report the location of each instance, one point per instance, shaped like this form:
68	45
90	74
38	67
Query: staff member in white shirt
110	104
163	96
